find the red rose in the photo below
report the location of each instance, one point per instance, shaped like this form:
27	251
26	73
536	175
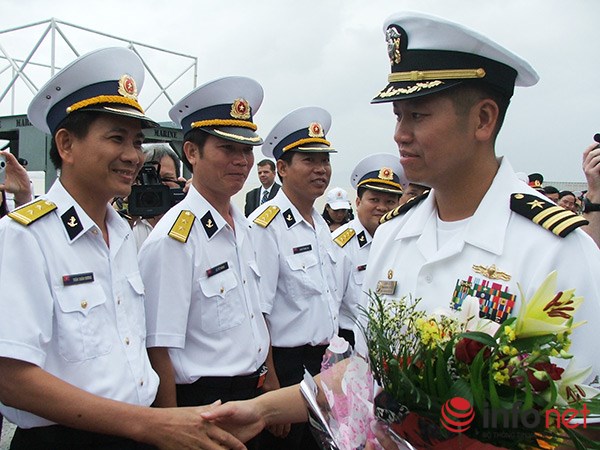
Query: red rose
551	369
467	349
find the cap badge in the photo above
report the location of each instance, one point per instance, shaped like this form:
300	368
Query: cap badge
240	109
315	130
386	173
127	87
392	37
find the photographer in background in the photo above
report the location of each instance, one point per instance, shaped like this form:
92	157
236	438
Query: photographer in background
16	183
169	170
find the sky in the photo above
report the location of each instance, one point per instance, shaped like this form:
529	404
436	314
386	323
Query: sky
332	53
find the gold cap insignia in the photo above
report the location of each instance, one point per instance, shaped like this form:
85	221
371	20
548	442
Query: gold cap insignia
392	37
315	130
127	87
240	109
386	173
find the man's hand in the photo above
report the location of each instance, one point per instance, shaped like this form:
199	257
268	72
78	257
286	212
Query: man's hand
17	180
185	428
591	169
243	419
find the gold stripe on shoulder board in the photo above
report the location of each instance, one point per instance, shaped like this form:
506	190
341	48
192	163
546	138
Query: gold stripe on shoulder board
28	214
180	231
267	216
344	237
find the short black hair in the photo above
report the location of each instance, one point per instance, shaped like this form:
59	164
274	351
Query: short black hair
465	95
565	193
78	123
198	137
267	162
550	190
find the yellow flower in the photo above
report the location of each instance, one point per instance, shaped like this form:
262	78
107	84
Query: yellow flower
547	312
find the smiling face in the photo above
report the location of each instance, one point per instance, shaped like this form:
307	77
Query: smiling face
220	167
372	205
306	176
105	161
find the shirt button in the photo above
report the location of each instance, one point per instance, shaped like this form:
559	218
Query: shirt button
141	382
84	304
94	231
252	316
118	300
244	281
259	349
126	341
222	290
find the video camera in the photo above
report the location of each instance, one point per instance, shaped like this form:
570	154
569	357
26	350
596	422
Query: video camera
150	197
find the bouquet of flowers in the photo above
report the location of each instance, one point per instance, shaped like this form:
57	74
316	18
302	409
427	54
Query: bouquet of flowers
451	379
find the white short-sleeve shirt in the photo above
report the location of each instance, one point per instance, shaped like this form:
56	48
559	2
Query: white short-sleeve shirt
357	251
74	306
300	284
202	297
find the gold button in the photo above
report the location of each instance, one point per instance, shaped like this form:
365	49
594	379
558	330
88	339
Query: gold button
126	341
94	231
84	304
222	290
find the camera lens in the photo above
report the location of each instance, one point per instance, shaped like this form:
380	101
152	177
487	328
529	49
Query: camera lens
149	199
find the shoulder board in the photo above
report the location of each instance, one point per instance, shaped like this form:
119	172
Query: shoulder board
180	231
545	213
31	212
267	216
403	208
344	237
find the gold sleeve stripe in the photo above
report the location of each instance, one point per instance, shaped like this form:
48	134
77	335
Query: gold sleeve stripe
567	224
556	219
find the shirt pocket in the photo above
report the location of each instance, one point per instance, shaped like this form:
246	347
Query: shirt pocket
221	307
358	276
82	321
135	303
304	275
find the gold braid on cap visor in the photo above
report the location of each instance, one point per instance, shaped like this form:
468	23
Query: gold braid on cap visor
105	99
378	180
224	123
418	75
300	142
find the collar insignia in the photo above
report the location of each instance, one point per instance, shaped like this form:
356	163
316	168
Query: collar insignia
362	239
209	224
289	218
72	223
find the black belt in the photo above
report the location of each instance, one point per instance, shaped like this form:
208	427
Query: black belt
240	382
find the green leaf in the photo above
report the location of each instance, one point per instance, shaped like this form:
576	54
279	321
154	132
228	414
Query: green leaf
478	336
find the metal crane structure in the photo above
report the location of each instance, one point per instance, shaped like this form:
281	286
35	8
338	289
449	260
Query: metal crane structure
31	54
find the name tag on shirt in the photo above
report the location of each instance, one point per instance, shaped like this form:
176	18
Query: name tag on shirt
361	268
302	249
386	287
77	278
217	269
